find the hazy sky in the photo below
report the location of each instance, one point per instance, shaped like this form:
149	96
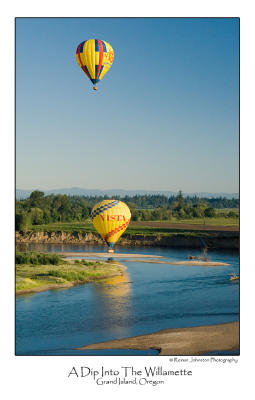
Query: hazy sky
165	116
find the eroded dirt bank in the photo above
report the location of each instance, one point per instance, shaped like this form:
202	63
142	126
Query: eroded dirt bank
221	241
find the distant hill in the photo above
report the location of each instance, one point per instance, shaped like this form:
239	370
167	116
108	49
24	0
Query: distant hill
23	194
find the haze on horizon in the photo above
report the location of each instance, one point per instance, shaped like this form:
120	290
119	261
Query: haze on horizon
165	117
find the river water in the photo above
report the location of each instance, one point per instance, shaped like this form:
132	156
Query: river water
149	297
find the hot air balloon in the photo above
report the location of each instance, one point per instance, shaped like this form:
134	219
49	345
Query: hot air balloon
95	57
110	218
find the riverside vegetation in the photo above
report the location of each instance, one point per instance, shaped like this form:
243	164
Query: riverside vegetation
39	271
156	220
40	210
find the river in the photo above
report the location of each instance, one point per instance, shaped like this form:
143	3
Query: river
149	297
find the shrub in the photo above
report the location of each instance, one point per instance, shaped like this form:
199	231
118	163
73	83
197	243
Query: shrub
210	212
232	214
84	262
37	258
70	275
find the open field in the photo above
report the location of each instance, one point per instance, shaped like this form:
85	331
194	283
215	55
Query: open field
84	226
148	227
188	225
226	210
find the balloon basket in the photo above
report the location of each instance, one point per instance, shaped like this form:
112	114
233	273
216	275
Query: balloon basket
95	87
110	251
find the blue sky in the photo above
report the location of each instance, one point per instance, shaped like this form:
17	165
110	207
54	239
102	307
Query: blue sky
165	116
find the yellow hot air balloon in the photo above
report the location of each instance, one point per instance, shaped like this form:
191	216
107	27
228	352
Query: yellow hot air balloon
110	218
95	57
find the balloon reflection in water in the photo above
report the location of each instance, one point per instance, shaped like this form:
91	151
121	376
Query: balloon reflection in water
118	286
114	303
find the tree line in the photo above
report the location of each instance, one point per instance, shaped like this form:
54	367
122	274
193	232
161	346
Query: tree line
39	209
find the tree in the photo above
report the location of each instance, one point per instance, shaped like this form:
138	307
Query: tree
198	210
178	204
36	215
46	216
22	222
232	214
131	205
179	199
135	216
77	212
64	208
155	215
210	212
181	213
36	198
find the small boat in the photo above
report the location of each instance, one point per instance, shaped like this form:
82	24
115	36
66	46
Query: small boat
234	277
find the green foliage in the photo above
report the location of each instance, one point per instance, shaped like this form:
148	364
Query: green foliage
179	200
37	258
53	208
84	262
70	276
210	212
22	221
39	210
232	214
36	216
39	277
36	198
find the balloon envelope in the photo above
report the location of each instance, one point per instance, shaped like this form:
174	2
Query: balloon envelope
95	57
110	218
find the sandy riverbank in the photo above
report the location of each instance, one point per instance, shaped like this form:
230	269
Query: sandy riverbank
105	255
46	287
142	258
191	263
184	341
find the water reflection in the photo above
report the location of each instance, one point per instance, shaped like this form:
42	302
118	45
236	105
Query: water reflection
113	298
116	286
148	298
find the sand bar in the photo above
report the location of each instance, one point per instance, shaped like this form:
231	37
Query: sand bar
146	258
201	263
191	263
105	255
184	341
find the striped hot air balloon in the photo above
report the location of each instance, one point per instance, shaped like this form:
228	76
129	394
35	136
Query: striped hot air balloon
95	57
110	218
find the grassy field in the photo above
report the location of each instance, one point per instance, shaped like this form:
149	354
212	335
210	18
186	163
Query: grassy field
33	278
84	226
188	227
167	231
134	227
226	210
219	221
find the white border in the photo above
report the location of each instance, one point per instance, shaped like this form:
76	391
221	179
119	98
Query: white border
41	377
